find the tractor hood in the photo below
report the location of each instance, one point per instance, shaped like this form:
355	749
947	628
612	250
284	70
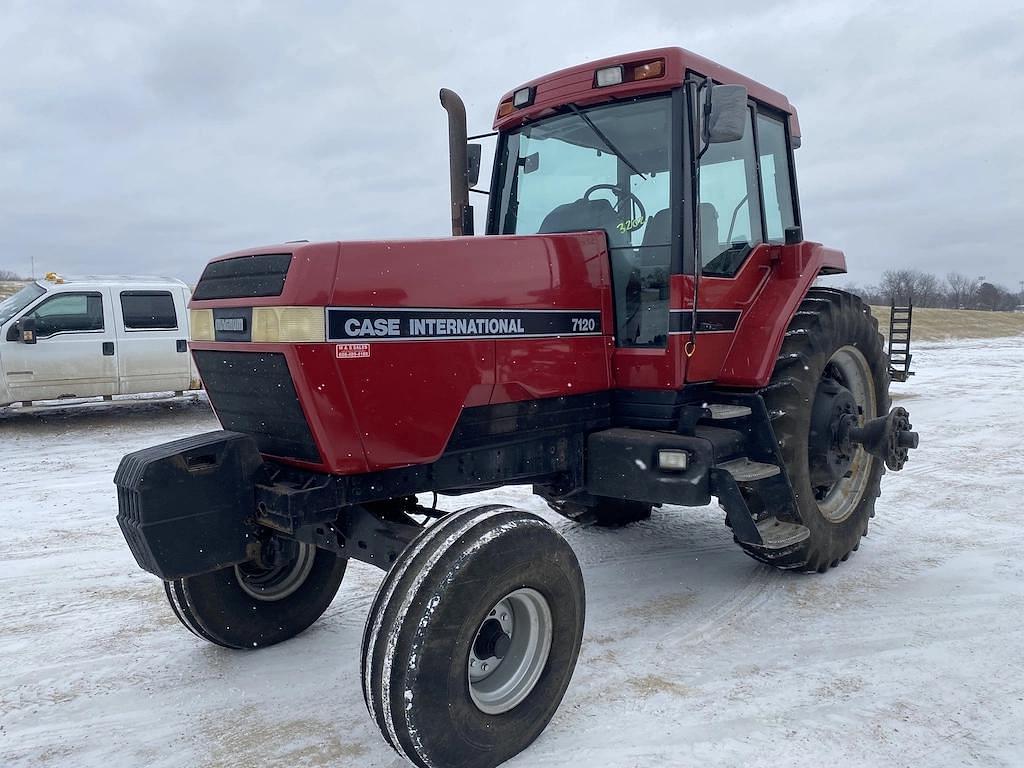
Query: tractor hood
358	356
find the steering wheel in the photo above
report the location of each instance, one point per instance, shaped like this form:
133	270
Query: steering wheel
622	195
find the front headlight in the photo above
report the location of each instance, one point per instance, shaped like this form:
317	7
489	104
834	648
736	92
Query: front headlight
200	324
288	324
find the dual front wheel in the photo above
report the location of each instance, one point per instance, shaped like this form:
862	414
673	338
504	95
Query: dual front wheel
246	606
473	637
469	645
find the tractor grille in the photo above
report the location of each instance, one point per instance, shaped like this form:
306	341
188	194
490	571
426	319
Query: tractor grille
253	393
244	277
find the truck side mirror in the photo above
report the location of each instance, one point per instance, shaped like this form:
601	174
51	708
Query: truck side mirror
728	118
474	153
27	330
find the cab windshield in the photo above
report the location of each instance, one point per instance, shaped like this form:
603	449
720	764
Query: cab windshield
606	168
12	305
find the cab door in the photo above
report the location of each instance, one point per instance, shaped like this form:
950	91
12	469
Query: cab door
74	353
745	204
152	349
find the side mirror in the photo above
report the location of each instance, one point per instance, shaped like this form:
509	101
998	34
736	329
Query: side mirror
473	154
728	118
27	330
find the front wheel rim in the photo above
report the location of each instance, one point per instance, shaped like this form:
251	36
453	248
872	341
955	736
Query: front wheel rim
510	650
272	584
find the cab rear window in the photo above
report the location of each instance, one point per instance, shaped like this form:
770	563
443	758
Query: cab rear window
148	310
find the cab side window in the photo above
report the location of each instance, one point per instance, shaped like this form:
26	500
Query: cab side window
730	204
68	313
148	310
775	180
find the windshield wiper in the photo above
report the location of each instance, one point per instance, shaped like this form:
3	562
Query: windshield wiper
607	142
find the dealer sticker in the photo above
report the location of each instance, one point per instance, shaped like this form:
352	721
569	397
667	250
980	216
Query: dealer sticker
348	351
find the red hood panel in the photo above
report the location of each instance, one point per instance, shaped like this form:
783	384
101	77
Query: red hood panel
379	402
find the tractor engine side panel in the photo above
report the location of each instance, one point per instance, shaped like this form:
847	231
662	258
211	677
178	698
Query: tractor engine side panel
408	394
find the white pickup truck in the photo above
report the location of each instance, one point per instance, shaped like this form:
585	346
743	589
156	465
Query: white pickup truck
94	337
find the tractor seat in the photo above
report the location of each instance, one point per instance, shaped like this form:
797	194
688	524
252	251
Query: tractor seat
655	250
583	215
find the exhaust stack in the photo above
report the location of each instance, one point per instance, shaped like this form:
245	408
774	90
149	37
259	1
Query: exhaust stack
462	211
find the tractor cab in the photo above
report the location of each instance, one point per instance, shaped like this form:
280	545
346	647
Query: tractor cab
608	168
687	169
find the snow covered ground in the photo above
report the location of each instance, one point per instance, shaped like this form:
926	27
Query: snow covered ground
910	654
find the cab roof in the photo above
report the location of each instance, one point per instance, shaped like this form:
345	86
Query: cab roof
52	279
576	85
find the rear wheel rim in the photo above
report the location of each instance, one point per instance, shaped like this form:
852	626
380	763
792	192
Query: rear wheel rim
849	367
523	618
272	584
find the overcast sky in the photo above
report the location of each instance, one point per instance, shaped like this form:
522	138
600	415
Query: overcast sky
148	137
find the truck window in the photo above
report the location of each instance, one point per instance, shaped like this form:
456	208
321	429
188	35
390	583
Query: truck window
68	313
148	310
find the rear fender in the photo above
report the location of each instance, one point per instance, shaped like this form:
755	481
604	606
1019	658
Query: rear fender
762	327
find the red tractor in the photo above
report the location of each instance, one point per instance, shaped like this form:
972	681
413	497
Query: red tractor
638	328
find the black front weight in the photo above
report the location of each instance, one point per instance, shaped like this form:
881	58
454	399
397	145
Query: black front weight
186	507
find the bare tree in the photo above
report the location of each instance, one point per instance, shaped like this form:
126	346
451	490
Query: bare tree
7	274
924	289
897	284
961	289
927	291
910	286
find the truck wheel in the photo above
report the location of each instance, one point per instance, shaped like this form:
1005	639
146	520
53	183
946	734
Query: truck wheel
473	637
245	606
832	339
606	513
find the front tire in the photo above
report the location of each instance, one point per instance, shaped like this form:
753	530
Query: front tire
473	637
246	607
832	336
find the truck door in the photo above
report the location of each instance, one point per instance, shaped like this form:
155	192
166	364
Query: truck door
151	338
74	352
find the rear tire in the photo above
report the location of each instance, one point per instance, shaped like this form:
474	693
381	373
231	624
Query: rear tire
487	586
244	608
832	335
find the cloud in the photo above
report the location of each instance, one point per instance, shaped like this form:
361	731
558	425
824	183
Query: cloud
149	137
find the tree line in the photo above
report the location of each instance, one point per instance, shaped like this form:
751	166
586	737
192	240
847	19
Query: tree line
923	289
